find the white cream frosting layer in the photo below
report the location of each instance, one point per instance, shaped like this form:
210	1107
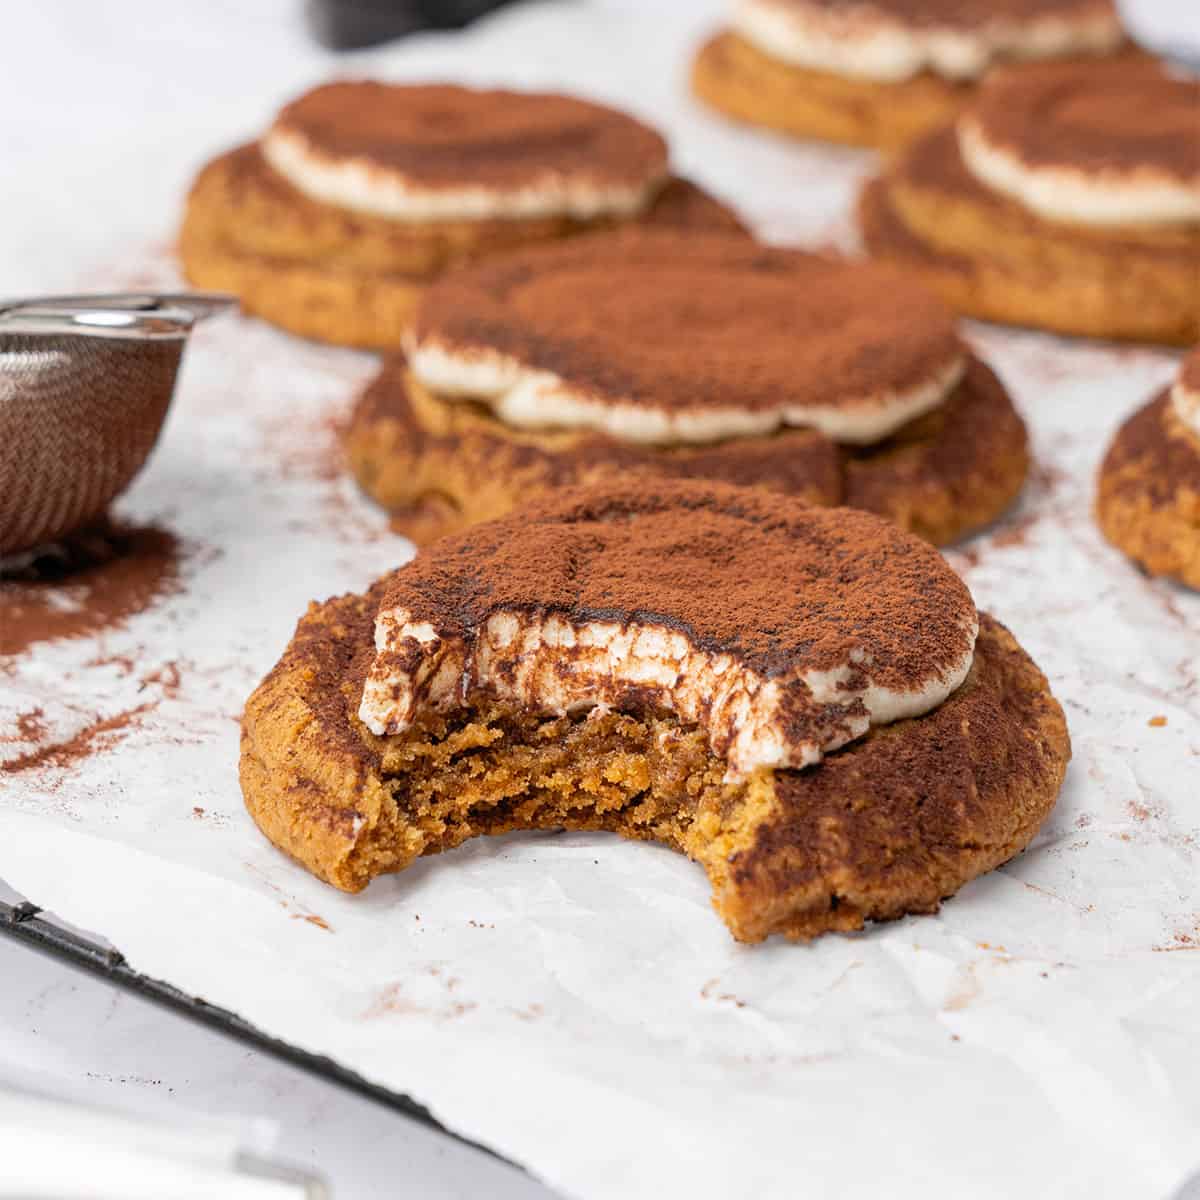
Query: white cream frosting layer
1110	196
364	186
1187	406
861	41
519	656
527	398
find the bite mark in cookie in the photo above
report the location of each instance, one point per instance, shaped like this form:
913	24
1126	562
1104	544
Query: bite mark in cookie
782	631
891	823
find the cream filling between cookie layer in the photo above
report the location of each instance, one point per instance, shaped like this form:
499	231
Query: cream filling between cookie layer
528	398
364	186
1110	196
547	664
1187	406
862	42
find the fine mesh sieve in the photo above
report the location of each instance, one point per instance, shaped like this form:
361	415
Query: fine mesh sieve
85	382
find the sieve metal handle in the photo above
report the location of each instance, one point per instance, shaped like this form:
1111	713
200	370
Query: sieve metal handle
135	316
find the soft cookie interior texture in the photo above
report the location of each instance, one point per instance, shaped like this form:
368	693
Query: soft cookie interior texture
780	630
892	822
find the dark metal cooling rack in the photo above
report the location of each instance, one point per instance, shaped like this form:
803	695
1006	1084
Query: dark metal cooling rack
37	929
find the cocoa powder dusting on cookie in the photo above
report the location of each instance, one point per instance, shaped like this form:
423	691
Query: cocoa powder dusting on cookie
341	665
1154	455
973	444
93	583
1189	369
774	582
958	14
894	802
1126	114
444	136
684	322
933	169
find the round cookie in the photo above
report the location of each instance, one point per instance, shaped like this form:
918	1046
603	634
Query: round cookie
652	336
881	73
353	275
439	466
890	817
989	254
735	77
1148	495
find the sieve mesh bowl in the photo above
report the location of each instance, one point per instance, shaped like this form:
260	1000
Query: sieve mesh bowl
84	390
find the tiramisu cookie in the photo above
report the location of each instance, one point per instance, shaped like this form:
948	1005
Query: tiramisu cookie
803	700
332	224
686	356
882	72
1148	502
1067	197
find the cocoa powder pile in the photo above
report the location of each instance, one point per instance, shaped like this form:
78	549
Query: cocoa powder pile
79	588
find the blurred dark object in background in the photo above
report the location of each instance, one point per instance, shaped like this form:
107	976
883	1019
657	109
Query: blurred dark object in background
348	24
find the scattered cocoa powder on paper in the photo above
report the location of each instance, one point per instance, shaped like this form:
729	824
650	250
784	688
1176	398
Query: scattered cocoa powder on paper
27	726
99	735
83	587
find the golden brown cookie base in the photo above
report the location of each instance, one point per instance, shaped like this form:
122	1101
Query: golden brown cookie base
351	278
989	257
370	312
440	466
740	80
1148	499
892	824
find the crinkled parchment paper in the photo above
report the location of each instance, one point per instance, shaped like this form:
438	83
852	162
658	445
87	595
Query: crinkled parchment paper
571	1000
